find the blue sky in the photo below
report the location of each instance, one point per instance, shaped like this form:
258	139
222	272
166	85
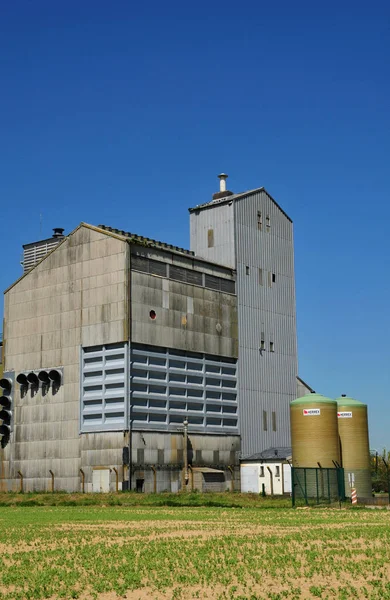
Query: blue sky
123	114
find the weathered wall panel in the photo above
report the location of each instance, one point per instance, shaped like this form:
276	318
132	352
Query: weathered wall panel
76	296
220	221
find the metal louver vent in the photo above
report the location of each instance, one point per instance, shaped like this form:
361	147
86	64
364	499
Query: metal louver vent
138	263
227	285
177	273
194	277
157	268
212	282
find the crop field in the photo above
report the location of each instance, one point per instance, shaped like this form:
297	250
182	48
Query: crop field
242	550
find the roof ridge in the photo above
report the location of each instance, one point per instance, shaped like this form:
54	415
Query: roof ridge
237	196
146	240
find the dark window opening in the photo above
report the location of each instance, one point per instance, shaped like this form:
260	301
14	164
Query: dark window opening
261	471
273	277
273	421
152	314
265	427
259	221
271	347
247	270
277	471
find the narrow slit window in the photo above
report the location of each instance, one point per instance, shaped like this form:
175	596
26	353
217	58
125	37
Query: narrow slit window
273	421
261	471
265	427
210	238
262	345
259	221
268	222
261	276
273	277
271	347
247	270
277	471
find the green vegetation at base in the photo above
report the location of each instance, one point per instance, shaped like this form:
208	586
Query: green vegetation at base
226	499
184	552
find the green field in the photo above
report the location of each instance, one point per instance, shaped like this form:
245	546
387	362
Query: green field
234	547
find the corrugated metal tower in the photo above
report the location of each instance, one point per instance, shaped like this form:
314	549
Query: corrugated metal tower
354	446
314	432
250	232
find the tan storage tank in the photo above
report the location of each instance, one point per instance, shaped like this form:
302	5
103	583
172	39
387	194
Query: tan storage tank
314	432
354	446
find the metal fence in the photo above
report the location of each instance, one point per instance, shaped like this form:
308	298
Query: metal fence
317	486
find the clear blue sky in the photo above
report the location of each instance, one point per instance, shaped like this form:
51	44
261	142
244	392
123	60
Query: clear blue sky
123	113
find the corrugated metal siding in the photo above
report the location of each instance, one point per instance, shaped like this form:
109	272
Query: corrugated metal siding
267	380
168	386
219	220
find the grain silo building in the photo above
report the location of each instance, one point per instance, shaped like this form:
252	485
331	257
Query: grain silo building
139	364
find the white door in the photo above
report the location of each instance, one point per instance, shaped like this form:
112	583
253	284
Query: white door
101	480
286	479
250	478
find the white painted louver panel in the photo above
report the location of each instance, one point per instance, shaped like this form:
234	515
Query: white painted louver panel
104	375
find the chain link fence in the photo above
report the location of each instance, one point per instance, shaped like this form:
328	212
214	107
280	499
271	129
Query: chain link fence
315	486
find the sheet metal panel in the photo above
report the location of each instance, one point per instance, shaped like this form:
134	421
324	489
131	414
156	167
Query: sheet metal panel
266	380
220	222
167	386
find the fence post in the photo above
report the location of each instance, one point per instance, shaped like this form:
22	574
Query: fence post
116	479
154	479
328	486
304	479
82	481
21	482
318	498
292	487
231	469
192	477
52	480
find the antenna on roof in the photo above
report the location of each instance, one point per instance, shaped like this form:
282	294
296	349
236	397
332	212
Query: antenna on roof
40	224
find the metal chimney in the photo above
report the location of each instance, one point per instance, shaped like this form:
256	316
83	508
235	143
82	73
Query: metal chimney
222	182
223	192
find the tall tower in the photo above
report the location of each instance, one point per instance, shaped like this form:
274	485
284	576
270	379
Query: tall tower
251	233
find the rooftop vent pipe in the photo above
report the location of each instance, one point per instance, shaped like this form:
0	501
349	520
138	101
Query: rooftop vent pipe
223	192
222	182
58	232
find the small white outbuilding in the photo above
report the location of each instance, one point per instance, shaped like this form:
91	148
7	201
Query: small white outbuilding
268	471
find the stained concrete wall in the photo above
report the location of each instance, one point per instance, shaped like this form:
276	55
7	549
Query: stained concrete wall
79	296
188	317
76	296
166	452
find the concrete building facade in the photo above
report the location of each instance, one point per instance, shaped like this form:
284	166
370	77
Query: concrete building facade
144	337
171	364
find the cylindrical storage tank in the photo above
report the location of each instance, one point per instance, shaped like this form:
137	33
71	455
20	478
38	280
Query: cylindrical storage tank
354	446
314	432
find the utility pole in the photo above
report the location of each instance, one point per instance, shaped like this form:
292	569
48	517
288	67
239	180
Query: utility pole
186	477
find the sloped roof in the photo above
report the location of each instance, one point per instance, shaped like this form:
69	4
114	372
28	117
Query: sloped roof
234	197
145	241
305	384
277	453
